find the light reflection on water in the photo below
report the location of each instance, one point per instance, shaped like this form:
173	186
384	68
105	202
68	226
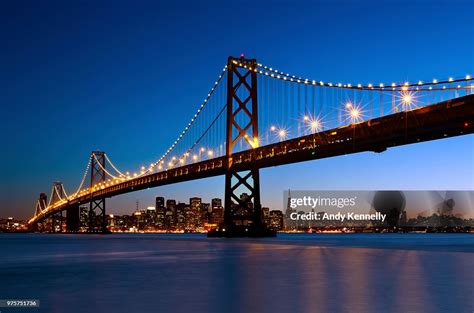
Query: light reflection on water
190	273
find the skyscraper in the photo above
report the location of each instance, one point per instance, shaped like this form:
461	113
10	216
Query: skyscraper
276	220
160	212
195	202
159	202
180	216
288	222
217	212
170	214
216	203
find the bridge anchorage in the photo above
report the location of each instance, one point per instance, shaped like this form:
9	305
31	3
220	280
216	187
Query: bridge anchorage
240	128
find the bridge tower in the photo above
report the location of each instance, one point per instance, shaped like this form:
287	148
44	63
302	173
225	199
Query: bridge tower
97	206
41	203
58	194
243	211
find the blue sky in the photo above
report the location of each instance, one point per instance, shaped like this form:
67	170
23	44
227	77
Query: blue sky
125	77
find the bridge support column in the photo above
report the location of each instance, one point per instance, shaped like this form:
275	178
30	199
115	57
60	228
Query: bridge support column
244	209
97	213
52	223
72	220
60	215
243	212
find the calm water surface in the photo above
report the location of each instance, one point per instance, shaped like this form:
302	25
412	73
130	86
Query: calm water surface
190	273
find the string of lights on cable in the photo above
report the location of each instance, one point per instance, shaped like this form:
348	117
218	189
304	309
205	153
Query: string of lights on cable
419	85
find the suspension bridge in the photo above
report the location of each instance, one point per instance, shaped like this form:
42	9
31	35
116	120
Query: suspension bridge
256	116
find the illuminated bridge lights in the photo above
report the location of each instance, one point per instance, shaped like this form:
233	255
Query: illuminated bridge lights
282	133
408	100
353	112
369	86
312	124
316	125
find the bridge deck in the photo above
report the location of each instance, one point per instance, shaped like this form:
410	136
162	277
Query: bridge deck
445	119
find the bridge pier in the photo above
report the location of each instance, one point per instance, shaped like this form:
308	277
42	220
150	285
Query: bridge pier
97	217
72	220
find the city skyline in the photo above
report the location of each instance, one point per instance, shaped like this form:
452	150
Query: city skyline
418	203
198	216
56	82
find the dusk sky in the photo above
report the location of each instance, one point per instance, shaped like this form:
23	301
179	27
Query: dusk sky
126	77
